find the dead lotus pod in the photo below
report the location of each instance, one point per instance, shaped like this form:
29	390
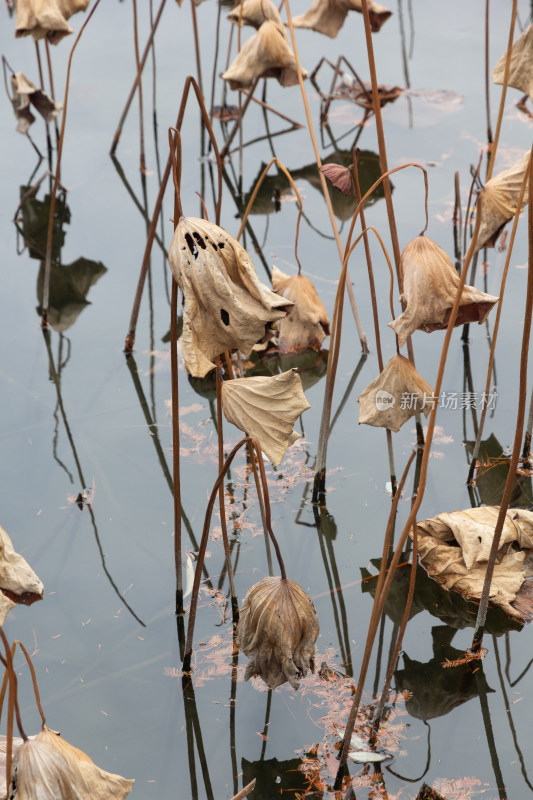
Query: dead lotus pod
500	201
266	55
255	12
521	67
225	306
429	287
277	630
308	323
397	394
46	18
266	406
327	16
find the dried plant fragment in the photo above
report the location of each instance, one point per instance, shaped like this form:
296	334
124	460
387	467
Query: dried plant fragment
266	54
255	12
454	548
327	16
24	93
521	67
340	177
226	307
267	407
500	201
307	325
397	394
18	582
429	288
46	18
277	630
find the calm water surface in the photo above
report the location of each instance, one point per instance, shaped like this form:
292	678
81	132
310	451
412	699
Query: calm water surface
76	415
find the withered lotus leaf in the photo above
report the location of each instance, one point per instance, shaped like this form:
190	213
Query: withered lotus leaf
307	325
454	548
521	66
430	285
24	93
18	582
340	177
327	16
397	394
225	306
266	406
46	767
277	630
255	12
46	18
500	201
266	54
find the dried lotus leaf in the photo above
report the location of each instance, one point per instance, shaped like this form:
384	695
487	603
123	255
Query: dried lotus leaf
521	66
454	548
46	18
267	407
327	16
277	630
500	201
397	394
430	285
340	177
24	93
225	306
307	325
255	12
266	54
18	582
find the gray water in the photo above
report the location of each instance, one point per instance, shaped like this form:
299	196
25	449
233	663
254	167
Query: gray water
76	415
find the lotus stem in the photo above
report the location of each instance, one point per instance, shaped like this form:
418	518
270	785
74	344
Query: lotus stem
189	81
499	121
262	510
139	87
176	484
131	95
238	122
50	233
225	541
46	126
520	416
487	73
13	703
33	678
479	434
526	452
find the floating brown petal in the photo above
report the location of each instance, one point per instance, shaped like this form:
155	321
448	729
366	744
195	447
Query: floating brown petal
454	548
307	324
225	306
266	55
430	284
255	12
500	201
521	67
327	16
340	177
277	630
397	394
24	93
46	18
266	406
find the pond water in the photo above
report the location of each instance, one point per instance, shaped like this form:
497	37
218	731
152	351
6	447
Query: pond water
77	415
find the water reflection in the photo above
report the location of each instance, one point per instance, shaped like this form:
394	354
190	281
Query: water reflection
491	475
278	779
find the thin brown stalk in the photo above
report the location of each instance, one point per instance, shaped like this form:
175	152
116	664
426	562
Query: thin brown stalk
48	257
225	540
13	706
499	121
245	791
51	80
275	111
487	72
262	510
131	95
238	122
189	81
479	435
139	88
33	678
176	484
520	416
196	46
323	183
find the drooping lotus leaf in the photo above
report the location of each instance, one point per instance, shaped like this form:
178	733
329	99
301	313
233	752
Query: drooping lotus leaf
308	323
24	94
500	201
327	16
454	548
266	54
339	176
46	18
396	395
225	306
521	66
430	285
255	12
277	630
18	582
266	407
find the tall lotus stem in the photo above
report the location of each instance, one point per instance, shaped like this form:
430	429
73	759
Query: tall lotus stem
494	145
225	541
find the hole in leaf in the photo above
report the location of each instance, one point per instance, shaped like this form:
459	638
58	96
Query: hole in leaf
191	245
199	240
224	316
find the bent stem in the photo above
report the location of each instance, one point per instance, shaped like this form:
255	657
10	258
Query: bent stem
12	705
34	680
520	416
499	121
